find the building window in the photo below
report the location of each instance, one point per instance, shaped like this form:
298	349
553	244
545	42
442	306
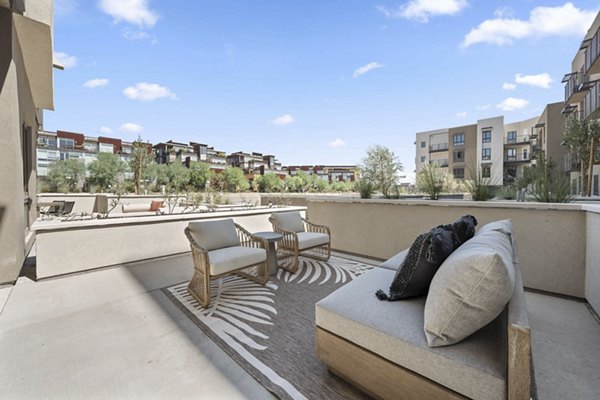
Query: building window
459	173
458	139
423	159
423	145
511	172
486	136
511	137
486	154
525	155
511	155
486	172
458	156
595	186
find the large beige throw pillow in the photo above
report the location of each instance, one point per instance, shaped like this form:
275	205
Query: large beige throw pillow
470	289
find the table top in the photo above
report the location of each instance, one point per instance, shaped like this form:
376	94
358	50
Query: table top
269	236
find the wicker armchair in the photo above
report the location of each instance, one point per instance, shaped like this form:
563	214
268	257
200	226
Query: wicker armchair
221	248
300	238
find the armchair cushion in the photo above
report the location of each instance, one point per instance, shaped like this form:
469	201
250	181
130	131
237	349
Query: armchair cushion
311	239
289	221
212	235
232	258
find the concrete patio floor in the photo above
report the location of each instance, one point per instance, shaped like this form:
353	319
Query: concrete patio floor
113	334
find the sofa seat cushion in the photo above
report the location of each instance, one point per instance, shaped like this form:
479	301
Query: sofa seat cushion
311	239
475	368
232	258
395	262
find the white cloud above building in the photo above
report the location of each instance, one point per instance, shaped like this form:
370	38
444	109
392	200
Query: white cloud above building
422	10
512	103
95	83
562	20
135	12
145	91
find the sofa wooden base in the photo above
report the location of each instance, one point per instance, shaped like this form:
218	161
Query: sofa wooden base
375	375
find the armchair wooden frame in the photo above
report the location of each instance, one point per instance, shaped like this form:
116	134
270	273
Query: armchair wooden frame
288	248
199	286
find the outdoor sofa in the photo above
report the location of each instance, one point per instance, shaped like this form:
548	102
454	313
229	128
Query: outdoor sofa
382	348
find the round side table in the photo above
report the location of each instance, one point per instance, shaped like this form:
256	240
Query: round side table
271	238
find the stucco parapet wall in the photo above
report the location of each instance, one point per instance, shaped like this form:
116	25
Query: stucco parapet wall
76	246
465	203
58	225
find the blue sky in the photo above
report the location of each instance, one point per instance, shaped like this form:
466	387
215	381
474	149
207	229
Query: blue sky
313	82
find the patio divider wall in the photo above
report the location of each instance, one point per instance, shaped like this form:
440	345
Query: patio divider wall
64	247
557	244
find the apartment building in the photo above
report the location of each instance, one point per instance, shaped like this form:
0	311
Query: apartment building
63	145
490	147
328	173
170	152
582	99
26	89
215	158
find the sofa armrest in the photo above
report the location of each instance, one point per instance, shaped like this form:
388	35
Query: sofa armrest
519	343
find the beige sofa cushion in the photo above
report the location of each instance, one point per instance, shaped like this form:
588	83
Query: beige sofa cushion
232	258
504	225
289	221
311	239
214	234
470	289
476	367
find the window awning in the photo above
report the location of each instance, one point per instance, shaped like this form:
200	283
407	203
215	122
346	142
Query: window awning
35	41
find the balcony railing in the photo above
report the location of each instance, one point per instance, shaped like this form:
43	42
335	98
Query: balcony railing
591	54
438	147
517	140
591	103
517	158
440	163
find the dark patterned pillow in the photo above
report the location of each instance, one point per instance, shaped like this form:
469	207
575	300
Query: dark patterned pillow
426	254
463	228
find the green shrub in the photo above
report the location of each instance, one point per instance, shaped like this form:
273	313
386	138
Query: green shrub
431	180
365	188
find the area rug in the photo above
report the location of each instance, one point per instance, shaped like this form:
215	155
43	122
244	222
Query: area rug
270	330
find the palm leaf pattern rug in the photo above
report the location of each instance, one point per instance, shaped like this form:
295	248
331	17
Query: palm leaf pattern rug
270	330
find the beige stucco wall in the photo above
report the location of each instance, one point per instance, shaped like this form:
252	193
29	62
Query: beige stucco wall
84	202
66	247
551	238
592	276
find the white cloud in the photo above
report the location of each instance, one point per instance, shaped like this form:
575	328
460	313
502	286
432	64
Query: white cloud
135	12
543	21
132	34
422	10
65	60
462	114
509	86
484	107
366	68
541	80
283	120
105	130
504	12
148	91
94	83
511	104
130	127
337	143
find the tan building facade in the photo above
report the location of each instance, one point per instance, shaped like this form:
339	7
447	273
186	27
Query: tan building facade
26	88
491	148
